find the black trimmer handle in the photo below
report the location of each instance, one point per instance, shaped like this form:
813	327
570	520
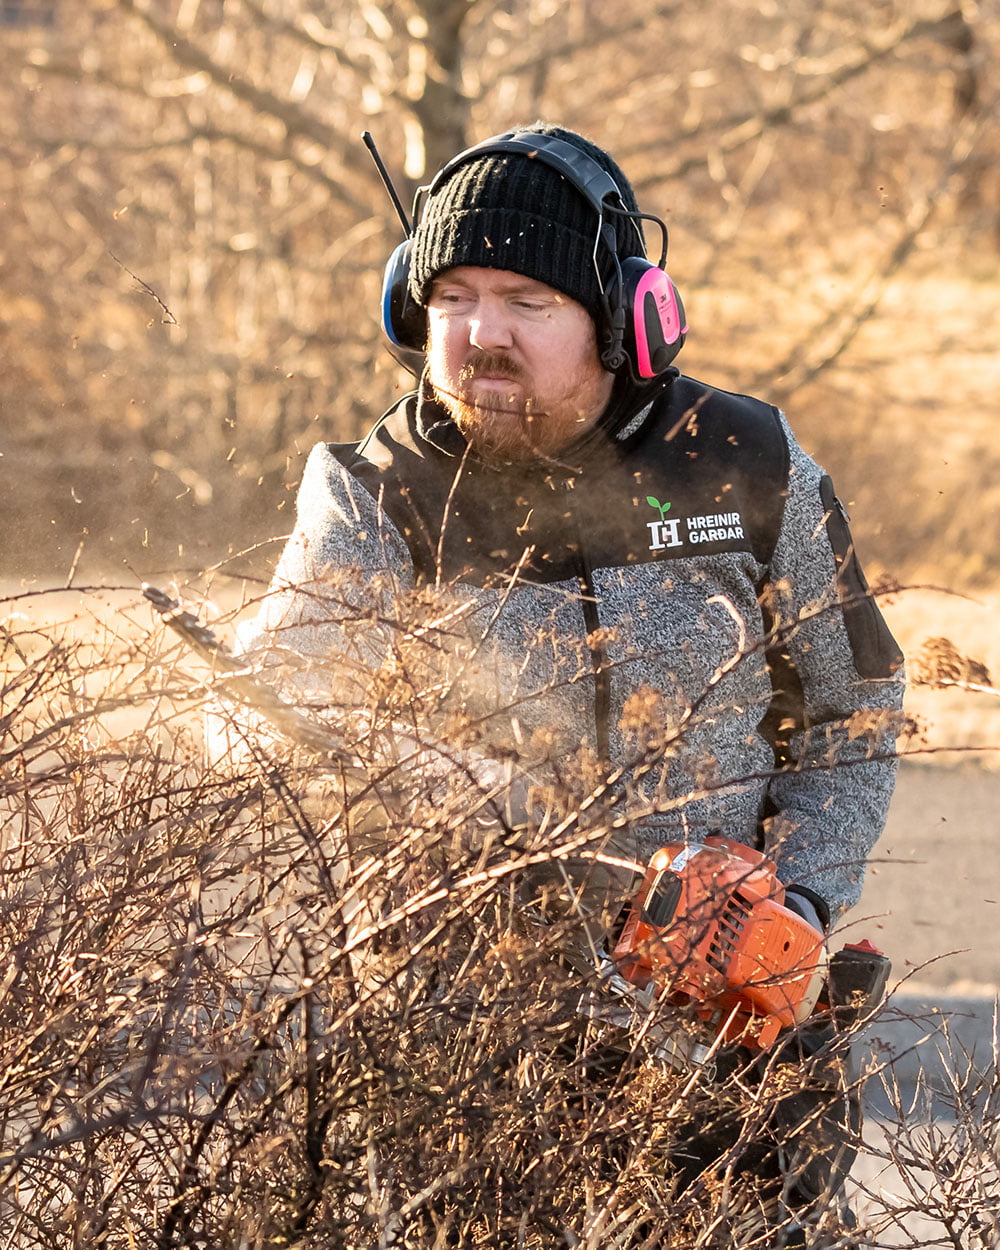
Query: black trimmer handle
858	976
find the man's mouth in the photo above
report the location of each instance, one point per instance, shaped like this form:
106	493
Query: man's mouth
495	384
493	380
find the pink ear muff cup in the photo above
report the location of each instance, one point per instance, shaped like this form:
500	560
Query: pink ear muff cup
658	322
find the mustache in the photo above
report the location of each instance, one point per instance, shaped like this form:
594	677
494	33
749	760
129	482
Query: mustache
491	363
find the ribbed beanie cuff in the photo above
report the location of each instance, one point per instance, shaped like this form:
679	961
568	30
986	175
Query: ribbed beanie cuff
522	242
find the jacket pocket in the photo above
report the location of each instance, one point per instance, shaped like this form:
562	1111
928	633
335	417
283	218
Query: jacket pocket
876	653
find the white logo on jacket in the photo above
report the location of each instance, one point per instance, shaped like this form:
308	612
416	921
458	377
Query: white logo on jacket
712	527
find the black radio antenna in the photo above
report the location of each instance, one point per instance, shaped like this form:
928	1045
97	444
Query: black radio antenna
383	173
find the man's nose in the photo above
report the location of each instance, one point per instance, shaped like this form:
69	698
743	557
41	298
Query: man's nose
490	327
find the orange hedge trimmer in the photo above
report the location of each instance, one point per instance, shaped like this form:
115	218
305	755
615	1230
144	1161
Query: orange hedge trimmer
709	930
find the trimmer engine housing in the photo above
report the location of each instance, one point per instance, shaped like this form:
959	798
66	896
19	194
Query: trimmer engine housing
709	929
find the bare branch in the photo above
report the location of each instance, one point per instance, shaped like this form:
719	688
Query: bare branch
168	317
738	130
297	122
827	342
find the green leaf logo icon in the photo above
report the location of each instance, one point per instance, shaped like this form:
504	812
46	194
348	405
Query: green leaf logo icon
661	508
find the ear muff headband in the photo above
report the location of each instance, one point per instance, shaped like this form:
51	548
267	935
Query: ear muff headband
645	317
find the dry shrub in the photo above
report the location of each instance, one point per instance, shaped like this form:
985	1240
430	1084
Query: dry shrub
218	1029
935	1152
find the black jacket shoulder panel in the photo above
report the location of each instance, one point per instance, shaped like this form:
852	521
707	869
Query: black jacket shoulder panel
731	448
876	652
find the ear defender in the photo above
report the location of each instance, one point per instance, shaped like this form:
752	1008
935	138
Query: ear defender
655	324
404	322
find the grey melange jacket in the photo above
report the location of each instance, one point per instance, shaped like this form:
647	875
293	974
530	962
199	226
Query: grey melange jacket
678	601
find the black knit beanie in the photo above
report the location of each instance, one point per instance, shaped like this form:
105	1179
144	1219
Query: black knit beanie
509	211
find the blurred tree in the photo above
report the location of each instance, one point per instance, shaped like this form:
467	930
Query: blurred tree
193	235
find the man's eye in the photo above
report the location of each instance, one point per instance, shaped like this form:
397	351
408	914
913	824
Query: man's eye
450	298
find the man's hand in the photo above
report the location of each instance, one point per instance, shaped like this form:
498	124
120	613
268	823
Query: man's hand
804	907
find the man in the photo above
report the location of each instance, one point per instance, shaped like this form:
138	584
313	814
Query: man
647	589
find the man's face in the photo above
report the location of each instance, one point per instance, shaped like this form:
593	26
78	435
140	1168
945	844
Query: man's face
514	362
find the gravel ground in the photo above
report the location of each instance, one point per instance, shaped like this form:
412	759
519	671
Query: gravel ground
932	895
932	901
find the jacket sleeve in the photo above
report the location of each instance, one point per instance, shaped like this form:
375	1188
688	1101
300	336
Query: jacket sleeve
332	610
838	682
